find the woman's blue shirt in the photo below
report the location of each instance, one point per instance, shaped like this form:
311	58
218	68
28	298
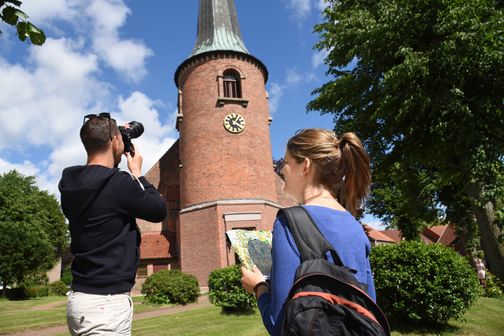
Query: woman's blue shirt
344	233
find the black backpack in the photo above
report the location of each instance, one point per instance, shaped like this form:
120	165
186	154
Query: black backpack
326	298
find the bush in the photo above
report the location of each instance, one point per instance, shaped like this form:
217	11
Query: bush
171	286
17	293
493	286
416	282
66	275
227	292
33	285
58	288
23	292
36	291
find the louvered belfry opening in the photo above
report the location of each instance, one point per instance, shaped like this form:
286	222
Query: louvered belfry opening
232	85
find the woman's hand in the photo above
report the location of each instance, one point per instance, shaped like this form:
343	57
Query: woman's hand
250	278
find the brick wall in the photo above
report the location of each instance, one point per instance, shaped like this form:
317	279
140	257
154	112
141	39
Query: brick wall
203	245
217	164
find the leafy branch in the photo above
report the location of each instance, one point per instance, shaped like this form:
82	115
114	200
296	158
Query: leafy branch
12	15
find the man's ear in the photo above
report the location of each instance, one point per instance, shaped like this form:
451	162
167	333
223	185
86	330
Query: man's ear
115	142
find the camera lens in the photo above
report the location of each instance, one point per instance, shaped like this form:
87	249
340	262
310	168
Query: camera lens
135	129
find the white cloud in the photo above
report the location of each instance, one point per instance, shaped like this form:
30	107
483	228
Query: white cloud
43	12
25	168
126	56
293	77
43	100
98	22
157	138
276	92
300	8
321	5
318	58
377	225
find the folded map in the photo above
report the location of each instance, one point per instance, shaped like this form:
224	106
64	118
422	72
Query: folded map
253	248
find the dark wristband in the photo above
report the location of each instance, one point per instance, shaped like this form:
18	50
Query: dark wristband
259	284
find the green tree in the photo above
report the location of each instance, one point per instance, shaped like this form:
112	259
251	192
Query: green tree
12	15
33	232
426	97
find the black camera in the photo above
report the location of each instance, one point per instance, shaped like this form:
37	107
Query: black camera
134	130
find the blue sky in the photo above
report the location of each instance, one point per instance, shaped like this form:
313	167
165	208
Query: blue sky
120	56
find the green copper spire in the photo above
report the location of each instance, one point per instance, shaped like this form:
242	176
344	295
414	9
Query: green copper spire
218	28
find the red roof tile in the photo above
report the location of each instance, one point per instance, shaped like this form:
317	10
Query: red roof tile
438	229
396	235
426	239
376	235
156	245
448	236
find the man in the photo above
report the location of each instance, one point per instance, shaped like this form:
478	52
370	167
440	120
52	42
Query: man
101	203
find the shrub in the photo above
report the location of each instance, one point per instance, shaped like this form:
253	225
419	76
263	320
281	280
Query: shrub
416	282
17	293
226	291
27	292
493	286
66	275
33	285
171	286
58	288
36	291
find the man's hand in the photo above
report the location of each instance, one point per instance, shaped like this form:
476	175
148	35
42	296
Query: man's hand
135	163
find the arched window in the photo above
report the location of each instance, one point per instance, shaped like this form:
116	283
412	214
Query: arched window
232	87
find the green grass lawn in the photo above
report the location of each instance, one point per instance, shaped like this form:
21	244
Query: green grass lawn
205	321
142	306
20	315
6	305
485	318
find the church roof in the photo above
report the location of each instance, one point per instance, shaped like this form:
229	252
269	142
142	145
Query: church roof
218	28
157	245
218	32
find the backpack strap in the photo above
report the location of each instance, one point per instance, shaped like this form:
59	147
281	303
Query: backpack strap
307	236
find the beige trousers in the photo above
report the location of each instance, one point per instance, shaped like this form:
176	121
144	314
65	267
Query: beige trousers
92	314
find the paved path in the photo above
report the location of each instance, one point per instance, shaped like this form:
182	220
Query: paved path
202	303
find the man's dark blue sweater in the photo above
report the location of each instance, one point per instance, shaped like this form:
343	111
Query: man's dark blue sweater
101	205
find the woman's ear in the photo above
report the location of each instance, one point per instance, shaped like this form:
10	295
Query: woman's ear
306	166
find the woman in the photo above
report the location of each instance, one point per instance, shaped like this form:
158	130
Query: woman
330	177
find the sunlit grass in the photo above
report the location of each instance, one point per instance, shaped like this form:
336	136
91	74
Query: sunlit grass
485	318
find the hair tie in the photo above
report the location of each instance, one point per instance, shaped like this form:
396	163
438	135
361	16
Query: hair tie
342	144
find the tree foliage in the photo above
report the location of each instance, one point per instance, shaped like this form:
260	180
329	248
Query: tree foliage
12	15
426	97
33	232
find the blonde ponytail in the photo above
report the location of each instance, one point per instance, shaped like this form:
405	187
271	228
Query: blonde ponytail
354	163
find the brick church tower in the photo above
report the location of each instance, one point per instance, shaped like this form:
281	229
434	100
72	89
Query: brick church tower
219	175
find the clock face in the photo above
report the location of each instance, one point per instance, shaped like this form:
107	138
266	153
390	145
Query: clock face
234	123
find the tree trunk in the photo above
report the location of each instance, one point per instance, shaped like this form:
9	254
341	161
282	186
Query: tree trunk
489	232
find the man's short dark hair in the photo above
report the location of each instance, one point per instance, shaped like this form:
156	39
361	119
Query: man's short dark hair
96	134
